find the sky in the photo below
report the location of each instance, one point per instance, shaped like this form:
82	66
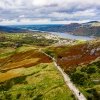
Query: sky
14	12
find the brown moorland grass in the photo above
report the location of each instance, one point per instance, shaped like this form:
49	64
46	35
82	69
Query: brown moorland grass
24	59
8	75
73	55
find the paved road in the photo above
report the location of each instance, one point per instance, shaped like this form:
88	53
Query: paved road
72	87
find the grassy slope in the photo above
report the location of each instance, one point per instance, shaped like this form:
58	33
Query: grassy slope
75	59
35	79
96	24
23	57
87	79
75	54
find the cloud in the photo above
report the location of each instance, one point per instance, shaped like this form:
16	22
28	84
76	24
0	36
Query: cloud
48	11
40	2
22	16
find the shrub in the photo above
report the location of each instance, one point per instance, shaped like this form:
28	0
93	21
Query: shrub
93	95
31	94
18	96
91	69
49	52
5	86
39	97
79	78
8	96
60	57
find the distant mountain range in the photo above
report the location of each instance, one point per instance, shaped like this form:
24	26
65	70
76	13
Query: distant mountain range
91	28
12	29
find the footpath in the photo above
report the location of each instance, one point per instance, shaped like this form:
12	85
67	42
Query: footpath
67	80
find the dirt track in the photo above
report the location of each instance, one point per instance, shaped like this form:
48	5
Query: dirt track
72	87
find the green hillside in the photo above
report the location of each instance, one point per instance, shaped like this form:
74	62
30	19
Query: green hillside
28	74
87	79
81	61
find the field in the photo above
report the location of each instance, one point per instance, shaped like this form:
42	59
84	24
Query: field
40	82
28	74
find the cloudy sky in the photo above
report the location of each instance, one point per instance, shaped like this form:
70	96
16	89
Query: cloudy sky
48	11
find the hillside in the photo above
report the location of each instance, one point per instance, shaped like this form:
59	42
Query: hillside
96	24
12	29
33	76
87	79
26	73
91	28
81	61
86	29
51	28
82	52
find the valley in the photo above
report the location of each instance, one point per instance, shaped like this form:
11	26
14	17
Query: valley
49	49
27	72
90	29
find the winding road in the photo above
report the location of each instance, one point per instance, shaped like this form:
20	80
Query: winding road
67	80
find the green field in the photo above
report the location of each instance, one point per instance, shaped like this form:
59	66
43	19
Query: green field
40	82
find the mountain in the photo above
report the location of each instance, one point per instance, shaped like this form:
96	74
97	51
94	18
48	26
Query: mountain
87	31
12	29
51	28
96	24
92	22
91	28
